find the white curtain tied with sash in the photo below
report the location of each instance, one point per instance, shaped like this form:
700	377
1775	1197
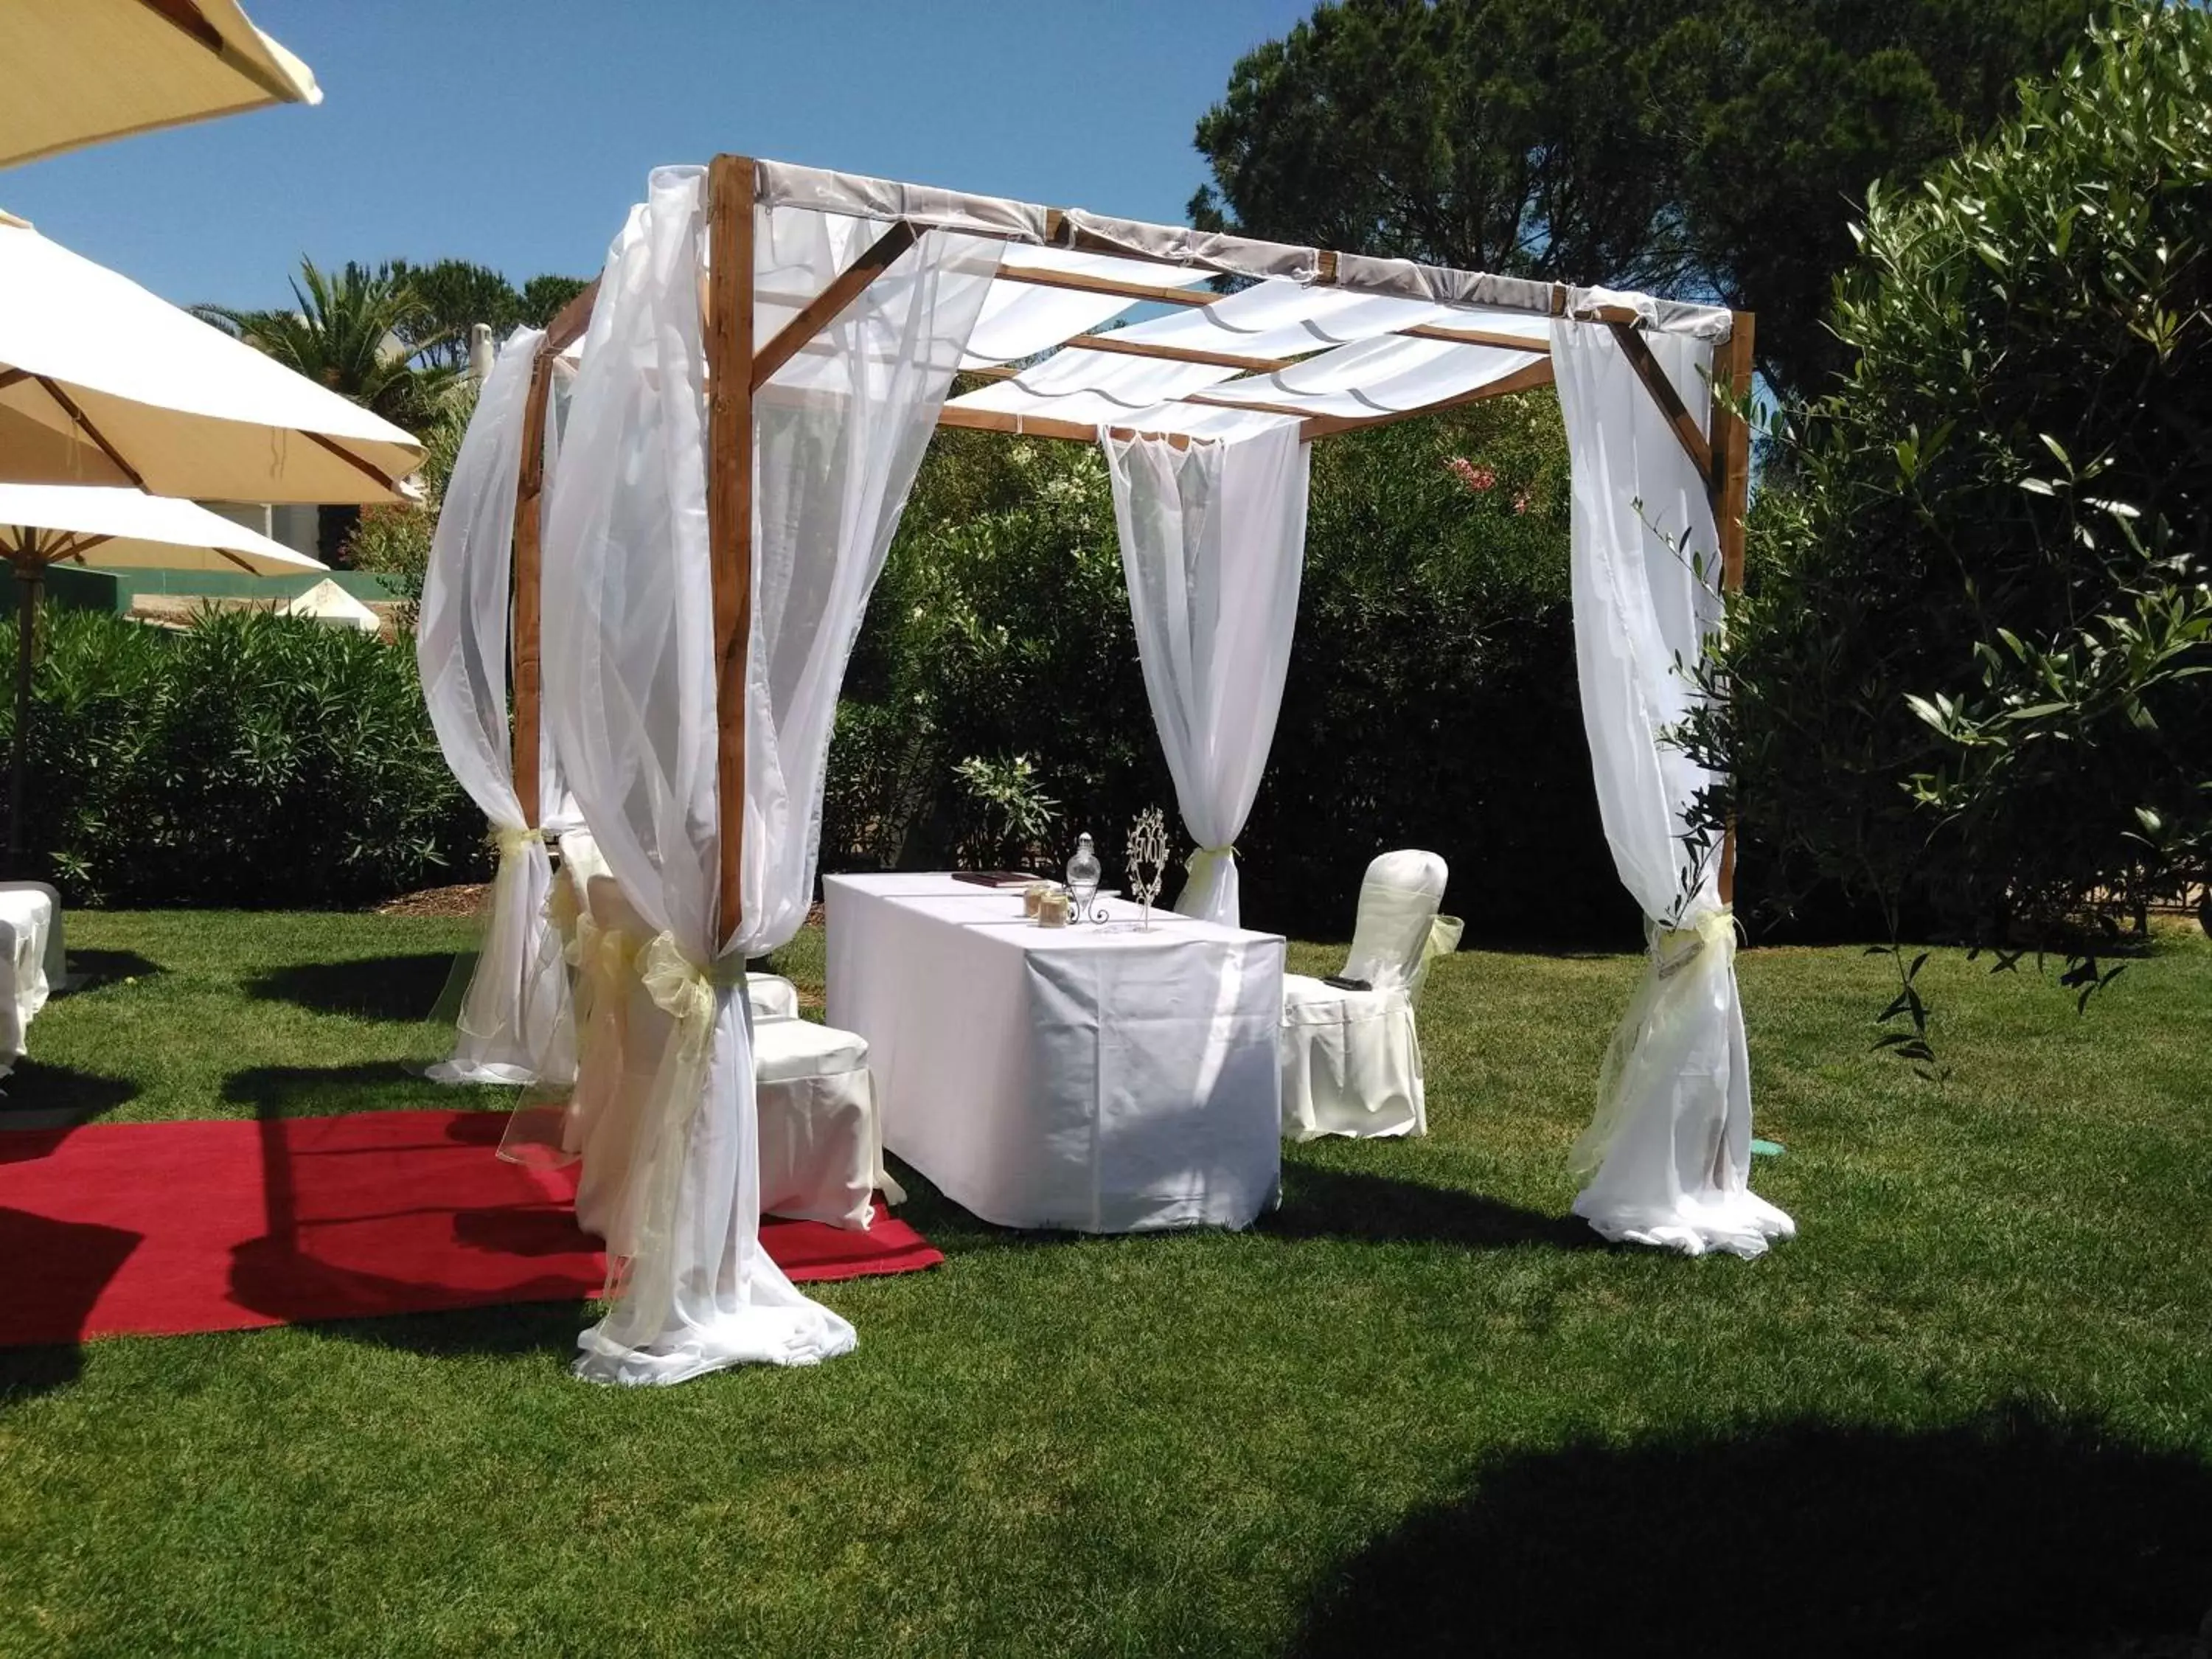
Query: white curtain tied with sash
1213	545
1667	1156
839	433
512	1024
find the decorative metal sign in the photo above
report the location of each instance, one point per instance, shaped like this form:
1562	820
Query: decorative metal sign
1148	858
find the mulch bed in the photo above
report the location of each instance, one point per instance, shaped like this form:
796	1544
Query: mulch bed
463	901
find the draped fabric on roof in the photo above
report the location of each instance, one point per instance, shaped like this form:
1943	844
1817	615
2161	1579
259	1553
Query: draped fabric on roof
1341	337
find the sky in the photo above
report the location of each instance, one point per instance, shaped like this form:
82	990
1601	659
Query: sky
517	133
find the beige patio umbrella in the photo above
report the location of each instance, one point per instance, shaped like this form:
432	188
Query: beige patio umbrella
45	525
103	382
79	71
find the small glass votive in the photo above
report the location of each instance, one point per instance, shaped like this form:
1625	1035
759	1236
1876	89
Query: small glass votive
1032	895
1052	909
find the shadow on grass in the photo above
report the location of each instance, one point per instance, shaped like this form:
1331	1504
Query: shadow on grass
382	1085
1320	1202
373	987
89	970
2018	1535
36	1096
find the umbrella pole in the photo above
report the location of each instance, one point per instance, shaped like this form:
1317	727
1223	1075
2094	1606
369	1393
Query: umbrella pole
30	576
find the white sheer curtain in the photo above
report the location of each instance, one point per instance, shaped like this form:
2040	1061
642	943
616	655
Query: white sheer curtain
1213	545
557	813
1668	1153
838	435
512	1025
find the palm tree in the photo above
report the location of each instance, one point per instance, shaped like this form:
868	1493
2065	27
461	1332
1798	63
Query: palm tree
359	332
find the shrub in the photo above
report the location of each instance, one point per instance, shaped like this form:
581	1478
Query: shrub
1970	670
250	760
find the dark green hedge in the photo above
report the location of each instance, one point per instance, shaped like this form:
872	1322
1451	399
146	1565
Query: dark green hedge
248	761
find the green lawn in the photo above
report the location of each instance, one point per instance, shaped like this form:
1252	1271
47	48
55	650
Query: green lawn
1969	1411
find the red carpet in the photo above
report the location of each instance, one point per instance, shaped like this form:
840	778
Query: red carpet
156	1229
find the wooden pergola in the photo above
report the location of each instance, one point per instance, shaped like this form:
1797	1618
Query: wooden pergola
739	365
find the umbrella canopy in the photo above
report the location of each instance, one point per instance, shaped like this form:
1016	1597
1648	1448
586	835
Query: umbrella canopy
328	603
127	529
83	71
101	382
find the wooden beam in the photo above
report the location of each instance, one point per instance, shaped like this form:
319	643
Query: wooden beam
1086	284
1212	401
569	322
1730	472
528	586
1731	494
1483	337
85	426
1179	354
825	307
1045	426
1685	425
1019	426
1537	373
9	376
729	353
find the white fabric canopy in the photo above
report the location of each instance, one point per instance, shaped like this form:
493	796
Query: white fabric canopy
1668	1153
629	615
1213	545
190	411
120	528
1021	319
1280	319
1351	362
513	1024
83	71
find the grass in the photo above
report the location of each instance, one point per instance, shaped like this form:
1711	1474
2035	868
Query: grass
1968	1411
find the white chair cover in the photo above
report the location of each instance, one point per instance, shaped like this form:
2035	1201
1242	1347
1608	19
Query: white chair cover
1668	1152
629	615
1212	541
1352	1060
821	1137
512	1025
31	961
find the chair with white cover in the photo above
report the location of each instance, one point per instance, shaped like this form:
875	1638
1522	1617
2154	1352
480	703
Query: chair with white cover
821	1136
1352	1060
31	958
821	1140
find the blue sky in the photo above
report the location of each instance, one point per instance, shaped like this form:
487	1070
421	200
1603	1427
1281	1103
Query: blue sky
517	132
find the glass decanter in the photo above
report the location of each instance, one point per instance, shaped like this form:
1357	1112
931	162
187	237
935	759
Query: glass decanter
1084	872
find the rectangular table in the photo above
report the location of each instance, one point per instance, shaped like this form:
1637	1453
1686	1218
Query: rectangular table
1102	1079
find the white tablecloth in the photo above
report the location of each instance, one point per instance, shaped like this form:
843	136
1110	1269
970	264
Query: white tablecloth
1101	1080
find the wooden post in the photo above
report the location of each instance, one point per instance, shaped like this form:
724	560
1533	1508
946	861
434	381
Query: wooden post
728	324
527	573
1729	490
30	578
